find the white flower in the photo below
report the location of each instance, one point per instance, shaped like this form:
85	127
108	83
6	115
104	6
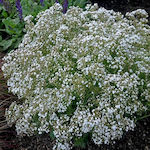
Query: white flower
79	72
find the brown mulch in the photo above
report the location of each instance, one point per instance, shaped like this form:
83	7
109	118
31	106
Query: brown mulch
6	133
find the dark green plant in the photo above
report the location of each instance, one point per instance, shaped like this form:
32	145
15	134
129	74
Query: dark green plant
11	18
82	141
11	30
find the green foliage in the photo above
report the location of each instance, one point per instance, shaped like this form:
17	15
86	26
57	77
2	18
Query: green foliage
11	33
35	119
80	3
12	28
82	141
31	7
52	135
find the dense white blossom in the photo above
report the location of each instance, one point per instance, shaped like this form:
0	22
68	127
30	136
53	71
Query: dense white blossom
80	72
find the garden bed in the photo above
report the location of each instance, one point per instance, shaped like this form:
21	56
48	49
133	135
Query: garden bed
139	139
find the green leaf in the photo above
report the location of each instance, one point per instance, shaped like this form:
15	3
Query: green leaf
80	3
18	41
35	119
52	135
71	108
80	142
4	14
6	43
0	38
12	25
2	30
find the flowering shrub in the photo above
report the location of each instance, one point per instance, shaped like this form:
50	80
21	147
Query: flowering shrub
79	73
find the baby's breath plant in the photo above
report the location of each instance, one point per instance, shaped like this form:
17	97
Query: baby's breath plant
79	74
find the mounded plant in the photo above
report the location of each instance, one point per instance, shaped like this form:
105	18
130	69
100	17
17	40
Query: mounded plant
82	74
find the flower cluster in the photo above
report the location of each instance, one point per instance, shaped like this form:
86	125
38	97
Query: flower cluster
6	5
1	1
80	72
19	9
